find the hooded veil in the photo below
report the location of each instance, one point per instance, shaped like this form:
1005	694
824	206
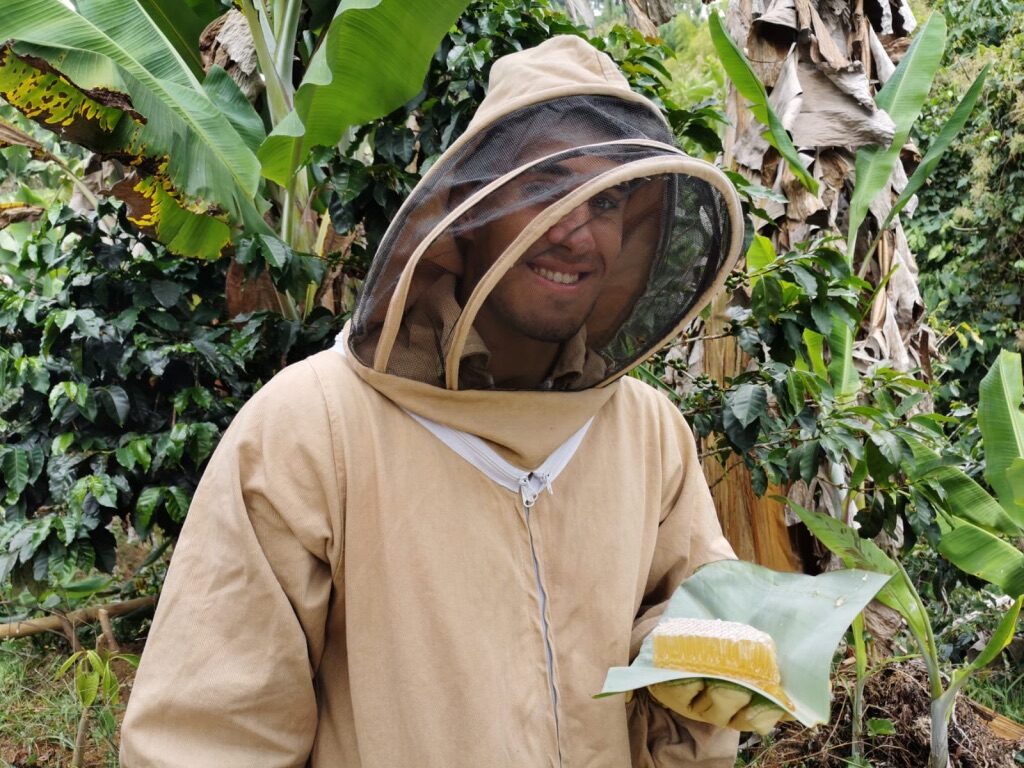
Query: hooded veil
565	215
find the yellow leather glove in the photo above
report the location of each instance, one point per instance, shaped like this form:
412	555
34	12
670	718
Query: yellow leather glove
719	703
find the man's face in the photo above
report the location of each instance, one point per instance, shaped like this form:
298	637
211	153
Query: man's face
548	295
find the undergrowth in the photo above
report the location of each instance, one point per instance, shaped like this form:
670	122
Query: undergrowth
40	712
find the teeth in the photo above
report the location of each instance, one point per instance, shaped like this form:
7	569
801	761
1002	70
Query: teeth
564	278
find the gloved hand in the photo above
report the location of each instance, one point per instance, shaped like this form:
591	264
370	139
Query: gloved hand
719	703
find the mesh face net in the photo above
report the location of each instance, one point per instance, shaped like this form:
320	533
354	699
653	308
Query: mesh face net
569	237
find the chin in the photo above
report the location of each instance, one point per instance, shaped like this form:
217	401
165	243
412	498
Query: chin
551	334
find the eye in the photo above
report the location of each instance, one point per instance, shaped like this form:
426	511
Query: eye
607	201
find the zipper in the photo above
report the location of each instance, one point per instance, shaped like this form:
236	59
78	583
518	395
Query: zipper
530	486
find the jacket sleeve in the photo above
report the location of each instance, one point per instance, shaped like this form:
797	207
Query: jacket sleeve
689	536
227	675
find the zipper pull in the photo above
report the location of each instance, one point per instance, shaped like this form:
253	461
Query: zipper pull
526	492
545	483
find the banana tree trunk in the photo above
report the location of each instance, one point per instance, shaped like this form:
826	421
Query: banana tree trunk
822	61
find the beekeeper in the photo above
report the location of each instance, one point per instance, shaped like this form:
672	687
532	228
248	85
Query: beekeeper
427	546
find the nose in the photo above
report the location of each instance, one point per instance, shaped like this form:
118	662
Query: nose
573	231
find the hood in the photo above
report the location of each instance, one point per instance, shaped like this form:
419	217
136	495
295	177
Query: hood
561	240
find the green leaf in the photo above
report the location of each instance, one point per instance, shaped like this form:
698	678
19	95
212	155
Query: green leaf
87	683
842	371
140	450
103	490
85	587
888	445
815	350
1002	428
962	496
747	402
276	252
1015	474
114	45
856	552
115	402
1001	637
806	279
373	59
148	502
167	292
223	91
804	460
181	26
177	503
902	97
743	437
760	254
807	616
201	439
881	726
15	470
67	664
938	146
746	82
61	443
985	555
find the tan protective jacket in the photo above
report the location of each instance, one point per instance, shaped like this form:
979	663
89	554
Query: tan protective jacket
349	590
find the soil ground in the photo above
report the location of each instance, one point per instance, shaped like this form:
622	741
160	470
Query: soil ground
898	693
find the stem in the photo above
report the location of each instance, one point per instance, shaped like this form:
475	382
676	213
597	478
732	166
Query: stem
940	710
78	755
860	651
278	96
929	648
297	188
286	33
307	305
321	235
865	263
79	184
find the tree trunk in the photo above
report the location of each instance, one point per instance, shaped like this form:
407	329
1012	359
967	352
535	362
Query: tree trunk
820	61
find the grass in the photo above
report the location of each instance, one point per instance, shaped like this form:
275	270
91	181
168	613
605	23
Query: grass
1000	690
40	713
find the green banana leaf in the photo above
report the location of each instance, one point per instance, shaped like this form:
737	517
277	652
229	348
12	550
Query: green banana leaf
938	147
961	495
114	83
1002	429
183	23
752	89
842	371
857	552
805	615
902	97
978	552
374	58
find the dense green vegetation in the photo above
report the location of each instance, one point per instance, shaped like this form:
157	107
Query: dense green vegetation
121	365
968	230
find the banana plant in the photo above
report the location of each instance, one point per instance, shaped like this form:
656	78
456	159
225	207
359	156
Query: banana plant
900	595
752	89
123	78
983	534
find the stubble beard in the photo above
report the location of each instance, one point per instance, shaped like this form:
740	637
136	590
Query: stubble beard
556	330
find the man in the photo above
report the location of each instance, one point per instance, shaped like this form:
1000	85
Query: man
427	546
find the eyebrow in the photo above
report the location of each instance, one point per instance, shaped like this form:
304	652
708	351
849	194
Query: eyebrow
552	168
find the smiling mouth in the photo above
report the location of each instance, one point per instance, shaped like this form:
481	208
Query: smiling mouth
562	278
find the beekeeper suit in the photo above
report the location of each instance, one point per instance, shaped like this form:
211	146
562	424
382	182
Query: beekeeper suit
427	546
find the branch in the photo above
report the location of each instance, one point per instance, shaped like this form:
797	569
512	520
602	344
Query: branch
83	616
